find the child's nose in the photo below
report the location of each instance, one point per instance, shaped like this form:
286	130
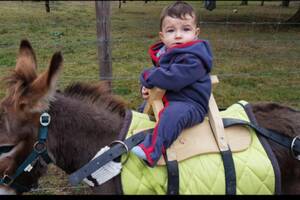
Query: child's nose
178	34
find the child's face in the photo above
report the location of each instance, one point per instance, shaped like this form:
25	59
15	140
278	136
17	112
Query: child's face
178	31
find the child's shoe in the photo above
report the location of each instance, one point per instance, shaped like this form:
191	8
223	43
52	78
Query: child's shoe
138	151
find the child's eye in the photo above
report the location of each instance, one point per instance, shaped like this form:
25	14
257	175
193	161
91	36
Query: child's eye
170	31
186	29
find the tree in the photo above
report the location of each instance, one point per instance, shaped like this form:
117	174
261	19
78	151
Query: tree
210	4
295	17
285	3
47	6
244	3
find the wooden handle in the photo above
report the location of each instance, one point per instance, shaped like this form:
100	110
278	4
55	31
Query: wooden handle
155	101
216	124
155	98
215	120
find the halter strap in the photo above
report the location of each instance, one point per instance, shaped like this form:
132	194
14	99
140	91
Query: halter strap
39	149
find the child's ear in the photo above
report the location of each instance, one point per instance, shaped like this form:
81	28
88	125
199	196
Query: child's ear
161	36
197	31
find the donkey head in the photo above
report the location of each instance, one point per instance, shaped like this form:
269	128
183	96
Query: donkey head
27	95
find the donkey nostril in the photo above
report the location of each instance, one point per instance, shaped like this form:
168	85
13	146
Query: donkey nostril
7	191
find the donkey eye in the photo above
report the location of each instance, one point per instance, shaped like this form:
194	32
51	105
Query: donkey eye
3	113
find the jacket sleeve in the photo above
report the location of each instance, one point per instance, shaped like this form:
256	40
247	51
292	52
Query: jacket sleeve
185	70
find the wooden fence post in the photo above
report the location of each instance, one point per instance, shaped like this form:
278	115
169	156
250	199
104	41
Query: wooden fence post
103	39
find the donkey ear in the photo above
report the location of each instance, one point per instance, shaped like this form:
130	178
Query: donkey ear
26	62
42	89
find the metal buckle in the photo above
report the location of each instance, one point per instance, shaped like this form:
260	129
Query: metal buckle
7	180
45	119
39	147
297	157
126	147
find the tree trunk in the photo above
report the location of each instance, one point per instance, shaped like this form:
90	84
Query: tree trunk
285	3
244	3
210	4
262	3
295	17
47	6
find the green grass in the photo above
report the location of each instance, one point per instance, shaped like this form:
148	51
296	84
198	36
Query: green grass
238	49
253	62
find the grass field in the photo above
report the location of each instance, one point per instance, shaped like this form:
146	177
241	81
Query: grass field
256	56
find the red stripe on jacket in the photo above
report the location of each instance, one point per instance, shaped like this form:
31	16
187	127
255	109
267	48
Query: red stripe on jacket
150	149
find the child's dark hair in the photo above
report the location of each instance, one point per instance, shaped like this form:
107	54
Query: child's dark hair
178	9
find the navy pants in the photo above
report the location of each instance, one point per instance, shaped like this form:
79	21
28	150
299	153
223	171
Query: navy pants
175	117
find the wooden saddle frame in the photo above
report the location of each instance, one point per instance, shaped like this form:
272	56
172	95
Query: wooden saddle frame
236	138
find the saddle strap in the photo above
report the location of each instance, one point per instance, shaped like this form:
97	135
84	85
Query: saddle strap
114	152
173	172
229	172
173	177
292	143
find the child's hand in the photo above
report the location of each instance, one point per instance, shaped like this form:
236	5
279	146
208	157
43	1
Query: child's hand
145	93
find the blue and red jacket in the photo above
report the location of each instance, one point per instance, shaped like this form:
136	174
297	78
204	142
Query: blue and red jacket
183	71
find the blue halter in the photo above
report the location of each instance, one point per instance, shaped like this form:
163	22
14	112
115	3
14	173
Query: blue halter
39	149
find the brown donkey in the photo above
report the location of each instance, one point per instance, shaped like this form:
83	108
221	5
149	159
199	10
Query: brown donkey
85	118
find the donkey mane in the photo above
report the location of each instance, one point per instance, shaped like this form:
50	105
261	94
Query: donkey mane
17	76
97	94
19	80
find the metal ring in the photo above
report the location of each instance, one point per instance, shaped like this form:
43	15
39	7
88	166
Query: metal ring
48	119
39	150
7	180
126	147
297	157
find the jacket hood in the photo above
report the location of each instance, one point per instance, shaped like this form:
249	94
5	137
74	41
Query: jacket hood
153	50
199	48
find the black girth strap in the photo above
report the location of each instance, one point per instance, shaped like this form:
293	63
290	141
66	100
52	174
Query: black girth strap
173	175
114	152
229	172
